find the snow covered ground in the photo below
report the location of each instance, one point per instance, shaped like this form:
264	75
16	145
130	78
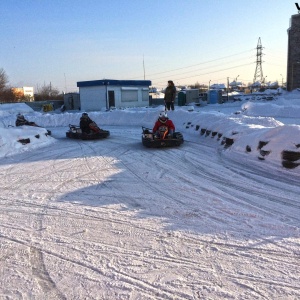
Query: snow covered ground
110	219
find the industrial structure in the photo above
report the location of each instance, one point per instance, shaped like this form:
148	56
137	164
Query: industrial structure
293	61
258	75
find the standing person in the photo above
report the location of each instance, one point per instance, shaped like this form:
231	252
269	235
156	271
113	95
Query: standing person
170	95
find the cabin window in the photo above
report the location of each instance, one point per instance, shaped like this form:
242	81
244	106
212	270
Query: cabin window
129	94
145	95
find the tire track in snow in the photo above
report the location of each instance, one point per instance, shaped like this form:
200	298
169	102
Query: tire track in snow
36	258
39	270
147	289
218	270
44	280
242	185
50	289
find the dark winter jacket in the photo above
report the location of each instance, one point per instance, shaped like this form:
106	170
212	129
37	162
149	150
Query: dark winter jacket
170	94
22	121
85	124
168	123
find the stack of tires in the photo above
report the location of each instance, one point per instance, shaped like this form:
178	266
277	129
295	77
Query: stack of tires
290	159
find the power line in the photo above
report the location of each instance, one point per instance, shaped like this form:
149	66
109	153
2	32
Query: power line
216	71
190	66
210	67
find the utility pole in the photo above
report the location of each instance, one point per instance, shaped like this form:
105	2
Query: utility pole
208	92
65	83
228	88
144	67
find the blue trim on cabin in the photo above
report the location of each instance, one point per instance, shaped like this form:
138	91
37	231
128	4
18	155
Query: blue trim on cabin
114	83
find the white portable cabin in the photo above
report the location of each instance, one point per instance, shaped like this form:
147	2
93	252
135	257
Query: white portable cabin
192	96
98	94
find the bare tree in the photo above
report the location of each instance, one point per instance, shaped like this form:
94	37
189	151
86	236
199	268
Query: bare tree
47	92
6	94
3	80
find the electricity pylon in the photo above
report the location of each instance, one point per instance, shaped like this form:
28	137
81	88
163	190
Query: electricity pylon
258	75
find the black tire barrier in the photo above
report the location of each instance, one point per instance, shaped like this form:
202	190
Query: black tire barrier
290	155
290	159
248	148
264	153
24	141
261	144
290	164
228	142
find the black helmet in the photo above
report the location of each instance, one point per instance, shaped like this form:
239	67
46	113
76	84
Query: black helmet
85	115
20	116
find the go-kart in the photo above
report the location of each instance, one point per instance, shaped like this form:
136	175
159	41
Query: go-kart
96	133
161	139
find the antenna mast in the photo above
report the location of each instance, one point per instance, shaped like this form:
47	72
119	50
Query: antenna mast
65	83
144	67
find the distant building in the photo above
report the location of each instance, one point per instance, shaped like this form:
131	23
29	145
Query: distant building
18	93
106	93
28	92
218	86
293	63
25	93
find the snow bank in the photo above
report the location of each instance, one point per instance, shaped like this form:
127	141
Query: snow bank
14	140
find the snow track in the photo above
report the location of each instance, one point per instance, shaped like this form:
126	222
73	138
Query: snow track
111	219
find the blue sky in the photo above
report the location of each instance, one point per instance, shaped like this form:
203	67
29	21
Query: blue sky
189	41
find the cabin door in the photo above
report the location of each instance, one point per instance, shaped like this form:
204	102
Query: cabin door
111	99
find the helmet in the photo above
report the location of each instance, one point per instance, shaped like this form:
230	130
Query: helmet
163	116
20	116
85	115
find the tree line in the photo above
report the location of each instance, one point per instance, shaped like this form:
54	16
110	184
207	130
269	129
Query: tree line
42	93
